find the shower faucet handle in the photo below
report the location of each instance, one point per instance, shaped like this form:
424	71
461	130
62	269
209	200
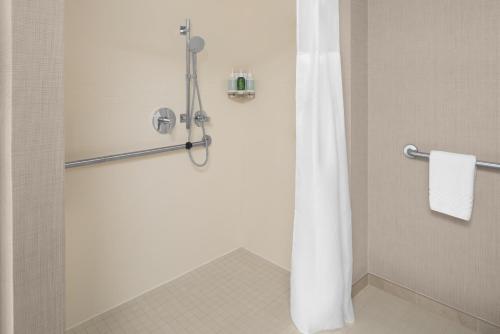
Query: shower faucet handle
201	117
164	120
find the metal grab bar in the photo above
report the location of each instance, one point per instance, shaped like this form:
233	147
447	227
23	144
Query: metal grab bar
207	140
411	151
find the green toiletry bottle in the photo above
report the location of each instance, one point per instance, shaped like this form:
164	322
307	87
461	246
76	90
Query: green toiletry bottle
241	81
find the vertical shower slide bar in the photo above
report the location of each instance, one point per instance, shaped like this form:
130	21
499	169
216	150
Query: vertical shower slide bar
186	30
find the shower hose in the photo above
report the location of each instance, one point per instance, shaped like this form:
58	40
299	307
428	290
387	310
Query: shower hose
196	93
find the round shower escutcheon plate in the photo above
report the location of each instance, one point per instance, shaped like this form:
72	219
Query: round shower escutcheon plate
164	120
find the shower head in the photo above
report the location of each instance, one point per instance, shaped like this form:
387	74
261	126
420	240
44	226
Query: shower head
196	44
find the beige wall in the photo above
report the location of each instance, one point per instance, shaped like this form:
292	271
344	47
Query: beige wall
6	249
434	80
31	162
135	224
358	135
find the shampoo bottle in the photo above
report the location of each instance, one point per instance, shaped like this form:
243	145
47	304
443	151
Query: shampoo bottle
231	83
241	81
250	84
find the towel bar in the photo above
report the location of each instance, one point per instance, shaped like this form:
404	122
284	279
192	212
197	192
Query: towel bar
411	151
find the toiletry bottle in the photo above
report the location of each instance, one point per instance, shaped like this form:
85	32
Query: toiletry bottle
250	86
231	84
241	81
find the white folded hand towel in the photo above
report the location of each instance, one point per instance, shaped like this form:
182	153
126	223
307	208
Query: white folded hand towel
451	183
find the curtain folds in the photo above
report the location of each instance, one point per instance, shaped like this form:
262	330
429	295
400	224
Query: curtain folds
322	242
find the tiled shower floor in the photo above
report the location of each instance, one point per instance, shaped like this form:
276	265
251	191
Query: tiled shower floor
241	293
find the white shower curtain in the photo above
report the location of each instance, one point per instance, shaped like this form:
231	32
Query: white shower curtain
322	243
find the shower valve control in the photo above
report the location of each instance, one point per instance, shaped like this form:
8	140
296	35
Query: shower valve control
199	118
164	120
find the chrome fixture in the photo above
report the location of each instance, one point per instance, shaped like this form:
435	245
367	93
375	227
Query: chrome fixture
200	117
411	151
186	31
164	120
207	140
194	45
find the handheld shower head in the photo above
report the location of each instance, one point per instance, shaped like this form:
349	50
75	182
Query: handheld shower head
196	44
